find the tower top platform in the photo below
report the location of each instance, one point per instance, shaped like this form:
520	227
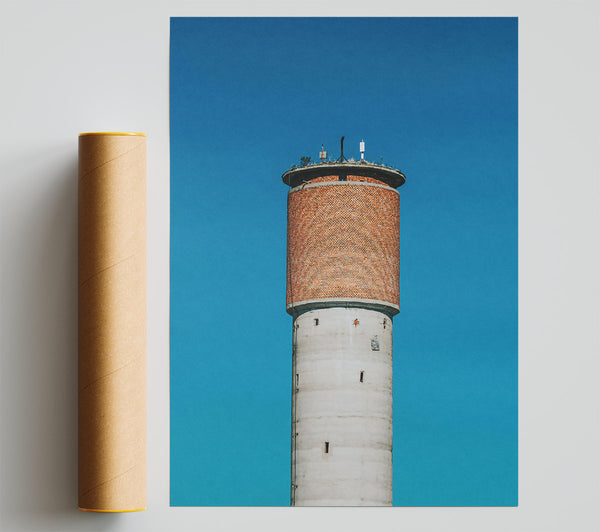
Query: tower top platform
299	174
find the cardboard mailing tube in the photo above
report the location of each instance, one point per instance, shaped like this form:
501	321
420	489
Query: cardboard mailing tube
112	322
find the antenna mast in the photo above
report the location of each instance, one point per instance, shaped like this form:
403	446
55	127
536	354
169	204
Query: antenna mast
342	158
323	153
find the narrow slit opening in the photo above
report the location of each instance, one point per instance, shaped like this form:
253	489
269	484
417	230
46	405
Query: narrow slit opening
326	447
362	376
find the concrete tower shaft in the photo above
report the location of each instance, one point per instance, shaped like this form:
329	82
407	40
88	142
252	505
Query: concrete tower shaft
342	291
342	408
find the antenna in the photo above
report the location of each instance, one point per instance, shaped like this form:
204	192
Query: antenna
322	153
342	158
362	150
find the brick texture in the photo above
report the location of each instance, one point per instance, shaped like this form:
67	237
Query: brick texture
343	241
362	178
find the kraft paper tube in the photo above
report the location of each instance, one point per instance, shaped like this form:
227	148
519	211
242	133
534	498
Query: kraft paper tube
112	322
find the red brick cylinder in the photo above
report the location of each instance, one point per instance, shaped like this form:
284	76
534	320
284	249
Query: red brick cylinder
343	241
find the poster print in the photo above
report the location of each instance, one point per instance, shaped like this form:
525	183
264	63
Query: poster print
344	311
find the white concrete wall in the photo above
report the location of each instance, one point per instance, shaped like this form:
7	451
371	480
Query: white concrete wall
330	404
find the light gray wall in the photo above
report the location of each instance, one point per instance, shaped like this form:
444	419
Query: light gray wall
74	66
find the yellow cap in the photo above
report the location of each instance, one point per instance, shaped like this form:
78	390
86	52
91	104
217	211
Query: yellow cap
122	133
111	511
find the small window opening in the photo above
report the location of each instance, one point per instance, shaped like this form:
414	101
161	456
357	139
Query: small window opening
297	379
316	321
362	376
356	322
374	344
326	447
342	178
384	322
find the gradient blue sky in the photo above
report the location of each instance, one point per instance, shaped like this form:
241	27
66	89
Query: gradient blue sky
436	98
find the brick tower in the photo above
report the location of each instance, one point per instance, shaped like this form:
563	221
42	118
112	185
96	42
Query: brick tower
342	291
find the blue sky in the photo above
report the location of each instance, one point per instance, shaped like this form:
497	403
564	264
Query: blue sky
436	98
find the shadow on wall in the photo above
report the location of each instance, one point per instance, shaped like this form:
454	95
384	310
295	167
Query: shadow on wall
38	376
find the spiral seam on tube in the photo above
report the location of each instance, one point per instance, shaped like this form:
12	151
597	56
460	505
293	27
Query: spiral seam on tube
95	274
110	161
110	373
107	481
